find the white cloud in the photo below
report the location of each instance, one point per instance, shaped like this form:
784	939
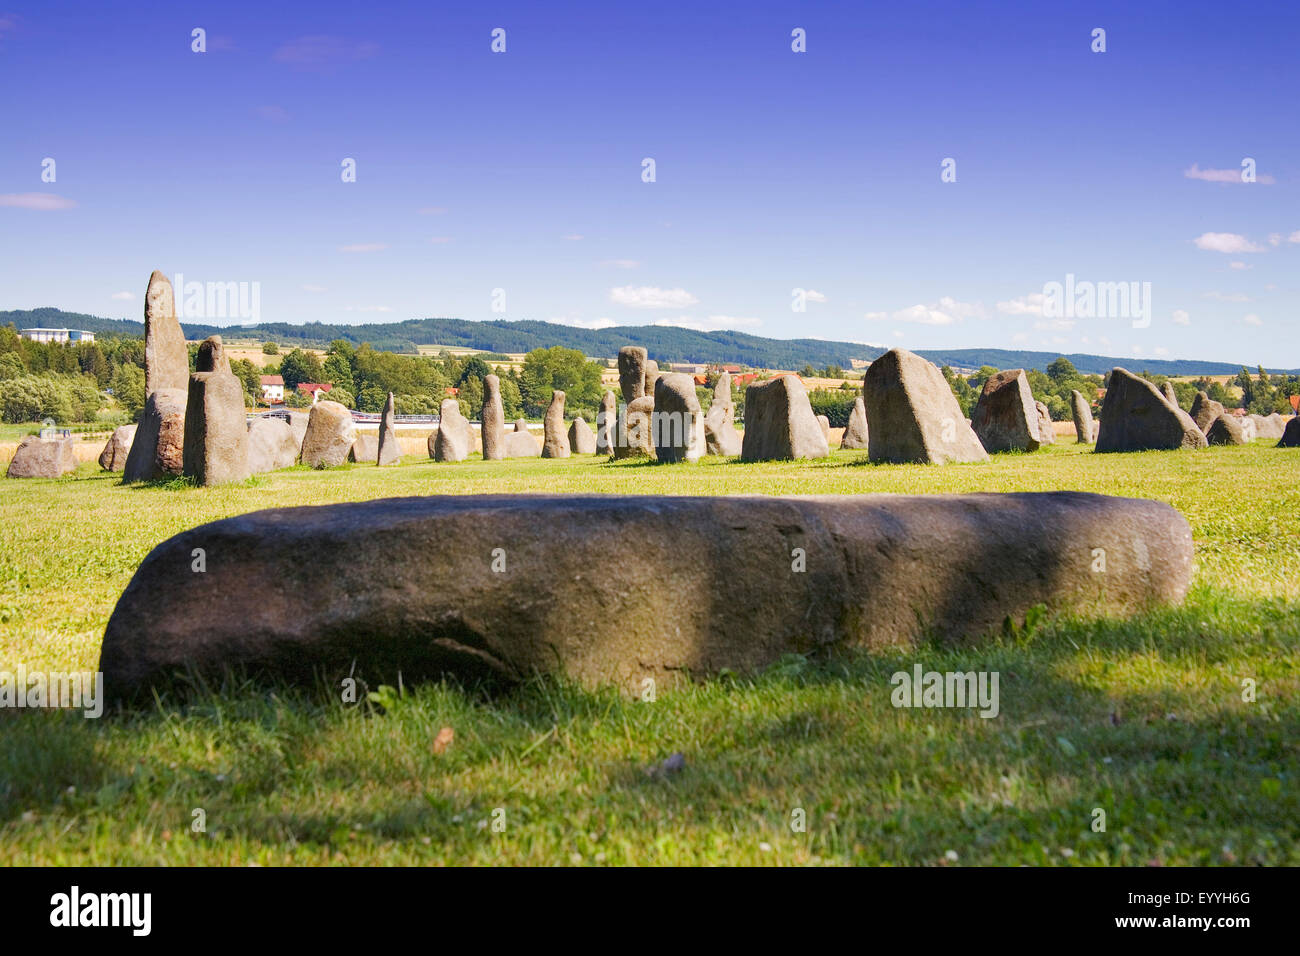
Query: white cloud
124	296
812	295
601	323
1227	297
947	311
1239	266
711	324
1031	304
42	201
1229	242
622	263
1294	237
1224	175
1180	317
364	247
1251	319
876	316
367	308
314	288
1275	239
651	297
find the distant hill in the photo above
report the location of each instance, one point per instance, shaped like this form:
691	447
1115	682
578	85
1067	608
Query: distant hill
664	343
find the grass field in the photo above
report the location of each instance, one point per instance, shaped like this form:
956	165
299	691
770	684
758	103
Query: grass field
1143	719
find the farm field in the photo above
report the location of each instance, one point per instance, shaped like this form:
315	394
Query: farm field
1143	718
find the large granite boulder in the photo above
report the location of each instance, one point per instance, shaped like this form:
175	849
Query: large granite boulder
216	427
606	424
720	435
272	445
1291	434
678	423
521	443
389	451
779	422
631	372
1046	431
1205	410
454	438
856	434
1082	412
555	439
1215	423
166	357
913	413
494	420
411	585
1269	426
1004	417
331	433
1135	416
117	448
158	450
635	435
37	457
582	440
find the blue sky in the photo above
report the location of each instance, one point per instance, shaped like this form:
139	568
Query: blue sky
774	170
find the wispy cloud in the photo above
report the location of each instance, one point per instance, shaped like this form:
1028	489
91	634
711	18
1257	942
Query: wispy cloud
601	323
1031	304
40	201
1239	266
1224	176
1180	317
1229	242
947	311
622	263
322	52
124	296
1251	319
651	297
364	247
812	295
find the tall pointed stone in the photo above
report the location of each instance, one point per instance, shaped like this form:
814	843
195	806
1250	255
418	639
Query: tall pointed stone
1136	416
555	440
856	435
606	423
1082	412
631	372
390	450
166	359
453	439
494	420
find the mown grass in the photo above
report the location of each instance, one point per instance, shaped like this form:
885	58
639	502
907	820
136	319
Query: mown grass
1143	719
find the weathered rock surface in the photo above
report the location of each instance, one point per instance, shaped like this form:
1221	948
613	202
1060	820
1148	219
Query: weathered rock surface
779	422
408	584
1135	416
631	372
1004	417
1291	434
117	448
914	415
1205	410
825	424
1167	390
678	422
494	420
453	439
390	449
606	424
158	450
856	433
37	457
1046	430
216	428
1248	432
720	435
652	374
365	450
582	440
635	435
330	435
555	439
520	443
166	357
1082	412
1224	430
271	445
1269	426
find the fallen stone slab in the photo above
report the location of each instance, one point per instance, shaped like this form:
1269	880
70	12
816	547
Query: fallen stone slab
1135	416
914	415
37	457
510	585
117	448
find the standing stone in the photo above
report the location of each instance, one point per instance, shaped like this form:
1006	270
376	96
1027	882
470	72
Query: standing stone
1268	426
555	441
720	435
635	438
330	435
1213	420
631	372
779	422
825	423
365	450
118	447
1046	433
272	445
606	423
1005	417
913	413
582	440
1082	412
856	434
1205	410
158	450
298	424
494	420
216	428
38	457
1291	434
390	449
166	359
652	374
1248	432
1167	390
452	441
1135	416
678	424
520	443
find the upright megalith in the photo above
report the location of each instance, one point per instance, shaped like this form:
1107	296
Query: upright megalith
913	413
272	445
1135	416
652	374
330	435
631	372
824	422
678	423
365	450
494	420
1046	432
606	423
779	422
1167	390
520	443
158	450
635	435
720	435
117	448
1082	413
166	358
1004	417
453	439
1291	434
555	439
582	440
216	429
37	457
390	449
856	433
1249	432
1215	423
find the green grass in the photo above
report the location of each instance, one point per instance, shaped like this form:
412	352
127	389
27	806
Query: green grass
1143	718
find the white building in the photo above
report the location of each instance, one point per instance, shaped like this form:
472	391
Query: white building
272	388
57	335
